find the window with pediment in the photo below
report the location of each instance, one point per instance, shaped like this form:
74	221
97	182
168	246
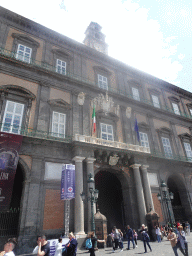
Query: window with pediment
186	140
24	47
189	106
175	105
102	77
155	97
59	118
15	105
166	142
62	60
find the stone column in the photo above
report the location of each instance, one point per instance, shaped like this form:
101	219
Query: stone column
147	189
140	195
79	207
90	169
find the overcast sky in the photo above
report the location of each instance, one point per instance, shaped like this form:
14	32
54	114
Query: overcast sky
154	36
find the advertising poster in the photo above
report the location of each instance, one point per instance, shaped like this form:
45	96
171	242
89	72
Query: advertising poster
68	182
9	155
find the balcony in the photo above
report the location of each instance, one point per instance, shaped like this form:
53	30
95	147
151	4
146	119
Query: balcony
108	143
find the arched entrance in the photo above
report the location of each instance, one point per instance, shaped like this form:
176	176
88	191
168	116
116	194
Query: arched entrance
110	199
180	203
9	221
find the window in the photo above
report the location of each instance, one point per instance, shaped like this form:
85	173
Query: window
13	116
176	108
61	67
24	53
155	100
58	125
135	92
167	147
188	151
144	139
102	82
106	132
190	110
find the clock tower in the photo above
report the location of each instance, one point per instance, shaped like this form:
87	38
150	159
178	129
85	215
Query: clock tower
95	39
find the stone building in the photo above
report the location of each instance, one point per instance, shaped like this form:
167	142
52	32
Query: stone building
54	82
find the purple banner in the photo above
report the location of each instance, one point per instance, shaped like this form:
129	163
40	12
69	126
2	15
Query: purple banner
68	182
9	155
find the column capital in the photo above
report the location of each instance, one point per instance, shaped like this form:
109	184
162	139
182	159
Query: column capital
78	159
90	160
135	166
144	167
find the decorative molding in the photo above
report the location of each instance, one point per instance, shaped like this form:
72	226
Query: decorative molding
81	98
26	38
185	136
101	70
155	91
143	125
113	160
109	115
17	90
128	112
174	99
164	130
59	103
189	105
62	53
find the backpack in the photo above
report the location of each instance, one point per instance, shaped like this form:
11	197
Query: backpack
88	244
146	236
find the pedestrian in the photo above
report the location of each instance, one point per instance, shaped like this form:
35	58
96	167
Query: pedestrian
120	240
187	228
135	235
173	239
129	236
58	251
71	246
145	238
158	233
44	247
92	240
8	248
35	251
116	238
182	241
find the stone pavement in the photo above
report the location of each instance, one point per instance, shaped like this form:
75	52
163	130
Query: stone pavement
158	249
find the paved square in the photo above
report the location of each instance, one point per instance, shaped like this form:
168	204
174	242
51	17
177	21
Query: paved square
158	249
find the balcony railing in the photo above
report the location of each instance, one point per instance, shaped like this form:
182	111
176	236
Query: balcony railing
51	68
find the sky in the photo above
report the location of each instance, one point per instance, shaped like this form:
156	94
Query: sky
154	36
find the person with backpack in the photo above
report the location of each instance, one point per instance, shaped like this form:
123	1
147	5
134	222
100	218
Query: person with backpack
145	238
90	243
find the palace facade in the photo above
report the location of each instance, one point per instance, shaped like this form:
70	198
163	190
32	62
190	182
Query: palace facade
49	85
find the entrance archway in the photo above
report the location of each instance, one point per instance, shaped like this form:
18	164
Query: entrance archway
9	221
180	202
110	199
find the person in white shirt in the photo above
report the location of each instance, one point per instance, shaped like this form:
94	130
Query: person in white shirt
158	233
8	249
35	251
58	251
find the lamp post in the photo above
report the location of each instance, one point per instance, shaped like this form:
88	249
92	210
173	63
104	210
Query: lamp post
94	193
167	197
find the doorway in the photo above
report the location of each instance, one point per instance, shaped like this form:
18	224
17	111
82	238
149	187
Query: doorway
110	201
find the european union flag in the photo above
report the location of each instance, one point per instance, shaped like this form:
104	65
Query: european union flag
136	128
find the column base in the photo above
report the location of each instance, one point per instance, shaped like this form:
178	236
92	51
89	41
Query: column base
81	238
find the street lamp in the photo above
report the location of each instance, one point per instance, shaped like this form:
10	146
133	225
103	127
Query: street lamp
94	193
167	197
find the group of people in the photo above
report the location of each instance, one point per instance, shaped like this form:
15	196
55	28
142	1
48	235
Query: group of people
178	240
43	247
131	235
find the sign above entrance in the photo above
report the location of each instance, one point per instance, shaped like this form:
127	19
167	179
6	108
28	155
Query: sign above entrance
9	155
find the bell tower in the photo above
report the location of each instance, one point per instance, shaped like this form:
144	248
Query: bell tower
95	39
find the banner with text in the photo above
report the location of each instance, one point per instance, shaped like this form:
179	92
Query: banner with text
68	182
10	145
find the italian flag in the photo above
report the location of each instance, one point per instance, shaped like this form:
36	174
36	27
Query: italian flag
94	119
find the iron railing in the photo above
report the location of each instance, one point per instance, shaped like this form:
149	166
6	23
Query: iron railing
40	64
9	222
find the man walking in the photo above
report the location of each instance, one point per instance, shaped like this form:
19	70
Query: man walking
129	235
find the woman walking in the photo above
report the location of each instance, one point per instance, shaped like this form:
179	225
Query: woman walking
158	233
